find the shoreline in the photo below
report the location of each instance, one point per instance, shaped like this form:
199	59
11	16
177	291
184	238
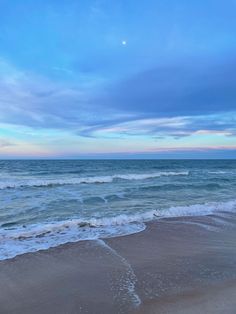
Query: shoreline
46	236
164	269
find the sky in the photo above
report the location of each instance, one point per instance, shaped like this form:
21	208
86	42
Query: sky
117	79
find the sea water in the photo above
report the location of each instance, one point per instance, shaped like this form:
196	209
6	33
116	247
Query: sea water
45	203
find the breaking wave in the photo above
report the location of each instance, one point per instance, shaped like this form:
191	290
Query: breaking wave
19	240
88	180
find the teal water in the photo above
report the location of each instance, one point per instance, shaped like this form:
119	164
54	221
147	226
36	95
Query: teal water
47	203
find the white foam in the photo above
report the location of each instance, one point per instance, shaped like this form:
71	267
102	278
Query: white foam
57	227
43	236
197	209
87	180
50	182
217	172
150	175
127	283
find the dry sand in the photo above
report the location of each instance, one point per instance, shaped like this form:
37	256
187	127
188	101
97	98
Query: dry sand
185	265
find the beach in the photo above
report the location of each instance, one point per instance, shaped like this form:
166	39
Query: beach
117	157
176	265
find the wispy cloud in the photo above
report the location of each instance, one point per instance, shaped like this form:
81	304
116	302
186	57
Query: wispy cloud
158	102
33	106
5	143
176	127
35	101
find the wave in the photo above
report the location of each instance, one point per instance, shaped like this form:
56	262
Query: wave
150	175
173	187
41	237
88	180
19	240
119	220
197	209
217	172
24	233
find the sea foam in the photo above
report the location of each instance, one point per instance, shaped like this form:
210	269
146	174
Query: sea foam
87	180
15	241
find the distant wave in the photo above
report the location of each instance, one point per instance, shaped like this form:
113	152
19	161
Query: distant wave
217	172
88	180
173	187
150	175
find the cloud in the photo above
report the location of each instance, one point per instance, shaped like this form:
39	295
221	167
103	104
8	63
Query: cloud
192	87
176	127
214	132
34	101
5	143
176	101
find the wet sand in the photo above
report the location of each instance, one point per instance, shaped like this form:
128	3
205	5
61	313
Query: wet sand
185	265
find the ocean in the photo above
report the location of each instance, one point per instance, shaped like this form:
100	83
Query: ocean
45	203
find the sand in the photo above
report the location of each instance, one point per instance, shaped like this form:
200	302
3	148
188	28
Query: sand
185	265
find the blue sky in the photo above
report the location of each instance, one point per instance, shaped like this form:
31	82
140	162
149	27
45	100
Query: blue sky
148	79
